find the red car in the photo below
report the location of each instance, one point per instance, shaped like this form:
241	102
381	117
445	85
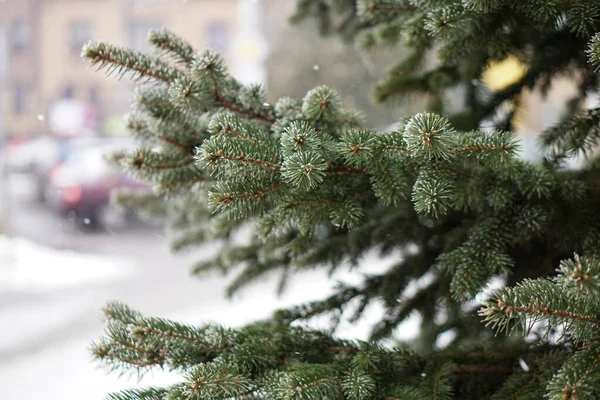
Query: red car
81	185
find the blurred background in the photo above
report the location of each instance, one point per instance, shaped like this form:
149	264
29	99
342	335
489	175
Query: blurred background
64	250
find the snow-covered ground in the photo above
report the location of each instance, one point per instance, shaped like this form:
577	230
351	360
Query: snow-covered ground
50	304
51	295
28	266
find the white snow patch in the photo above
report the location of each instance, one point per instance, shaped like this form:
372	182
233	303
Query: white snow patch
259	301
63	318
26	265
21	185
445	338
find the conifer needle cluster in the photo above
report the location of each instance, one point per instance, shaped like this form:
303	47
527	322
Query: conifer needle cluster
447	190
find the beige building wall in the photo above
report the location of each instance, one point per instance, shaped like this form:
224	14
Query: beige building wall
191	19
64	23
20	102
62	67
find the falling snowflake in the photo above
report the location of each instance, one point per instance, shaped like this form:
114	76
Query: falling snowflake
523	365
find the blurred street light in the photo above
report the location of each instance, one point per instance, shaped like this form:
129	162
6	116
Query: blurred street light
250	48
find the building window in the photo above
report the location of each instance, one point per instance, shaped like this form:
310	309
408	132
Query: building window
218	36
138	34
94	95
19	36
68	92
79	34
19	99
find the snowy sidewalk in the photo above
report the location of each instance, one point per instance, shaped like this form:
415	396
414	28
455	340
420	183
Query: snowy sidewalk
28	266
50	300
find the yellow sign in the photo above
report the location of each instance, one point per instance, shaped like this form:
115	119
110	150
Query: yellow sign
501	74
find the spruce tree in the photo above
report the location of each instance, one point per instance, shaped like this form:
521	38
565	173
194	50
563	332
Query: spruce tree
446	189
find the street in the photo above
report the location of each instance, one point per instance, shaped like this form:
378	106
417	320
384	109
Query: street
50	310
46	331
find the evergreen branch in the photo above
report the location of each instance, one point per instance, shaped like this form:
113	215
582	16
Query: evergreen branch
473	148
218	380
255	268
546	312
573	136
172	44
122	351
336	301
534	300
149	204
225	154
243	111
309	203
307	380
571	390
184	182
321	104
257	193
299	170
229	195
429	136
212	64
189	239
307	386
368	8
593	50
120	61
251	357
576	378
243	158
393	188
116	311
143	332
134	361
395	315
186	149
147	159
515	395
158	105
133	346
581	273
210	67
482	369
150	393
398	81
344	170
467	278
388	7
228	130
142	128
392	148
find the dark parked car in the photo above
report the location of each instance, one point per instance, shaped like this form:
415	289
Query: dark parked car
48	154
81	184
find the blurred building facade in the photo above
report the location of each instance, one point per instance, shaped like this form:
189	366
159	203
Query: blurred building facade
20	56
46	75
